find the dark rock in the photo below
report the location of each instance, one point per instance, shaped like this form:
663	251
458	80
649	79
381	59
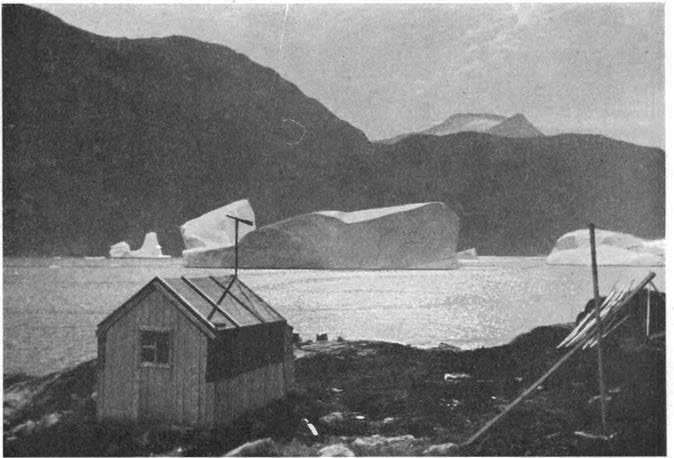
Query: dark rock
332	419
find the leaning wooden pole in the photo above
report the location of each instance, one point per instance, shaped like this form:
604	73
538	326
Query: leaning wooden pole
600	331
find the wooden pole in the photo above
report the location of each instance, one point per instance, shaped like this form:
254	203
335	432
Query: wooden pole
600	357
238	220
648	312
236	247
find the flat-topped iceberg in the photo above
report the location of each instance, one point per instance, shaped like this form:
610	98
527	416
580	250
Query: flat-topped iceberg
150	249
213	230
422	235
613	248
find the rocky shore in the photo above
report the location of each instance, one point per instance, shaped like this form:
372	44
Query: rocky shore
376	398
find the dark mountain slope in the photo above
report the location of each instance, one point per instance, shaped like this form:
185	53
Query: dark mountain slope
516	195
106	139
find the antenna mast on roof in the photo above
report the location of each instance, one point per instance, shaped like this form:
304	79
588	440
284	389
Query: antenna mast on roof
236	239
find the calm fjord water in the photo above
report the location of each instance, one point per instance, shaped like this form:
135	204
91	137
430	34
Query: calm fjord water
52	306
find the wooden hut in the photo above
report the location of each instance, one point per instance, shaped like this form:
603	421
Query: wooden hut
193	352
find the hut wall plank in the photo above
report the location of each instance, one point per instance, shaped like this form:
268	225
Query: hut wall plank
117	374
179	371
247	391
209	418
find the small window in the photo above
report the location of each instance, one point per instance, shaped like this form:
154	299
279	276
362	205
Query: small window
154	347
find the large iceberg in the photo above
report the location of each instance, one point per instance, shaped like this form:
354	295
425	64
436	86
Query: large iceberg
214	231
613	248
420	235
150	249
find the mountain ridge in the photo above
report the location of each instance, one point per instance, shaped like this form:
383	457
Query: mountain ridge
106	139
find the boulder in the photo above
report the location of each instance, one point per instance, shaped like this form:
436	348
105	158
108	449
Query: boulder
50	419
260	447
332	419
613	248
336	450
24	428
409	236
380	441
446	449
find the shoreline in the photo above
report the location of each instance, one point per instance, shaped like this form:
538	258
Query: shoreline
382	398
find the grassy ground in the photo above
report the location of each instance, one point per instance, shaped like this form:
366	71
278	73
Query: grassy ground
383	399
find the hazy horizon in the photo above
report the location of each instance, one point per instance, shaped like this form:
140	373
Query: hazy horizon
390	69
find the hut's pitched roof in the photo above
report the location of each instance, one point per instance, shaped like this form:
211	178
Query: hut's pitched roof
213	303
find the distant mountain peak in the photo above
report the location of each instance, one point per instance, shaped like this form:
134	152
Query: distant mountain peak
514	126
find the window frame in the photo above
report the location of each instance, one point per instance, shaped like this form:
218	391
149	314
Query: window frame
155	363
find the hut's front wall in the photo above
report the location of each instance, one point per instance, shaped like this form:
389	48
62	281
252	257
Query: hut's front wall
175	393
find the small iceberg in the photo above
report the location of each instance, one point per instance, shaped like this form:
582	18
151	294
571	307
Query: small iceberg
150	249
613	249
470	253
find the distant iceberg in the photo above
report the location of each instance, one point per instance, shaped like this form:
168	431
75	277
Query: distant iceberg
213	230
470	253
613	248
150	249
422	235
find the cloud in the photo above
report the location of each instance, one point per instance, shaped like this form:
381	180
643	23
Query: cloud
500	34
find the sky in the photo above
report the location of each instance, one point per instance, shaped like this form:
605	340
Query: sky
394	68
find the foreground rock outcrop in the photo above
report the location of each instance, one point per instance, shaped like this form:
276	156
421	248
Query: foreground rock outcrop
420	235
613	248
392	400
150	249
